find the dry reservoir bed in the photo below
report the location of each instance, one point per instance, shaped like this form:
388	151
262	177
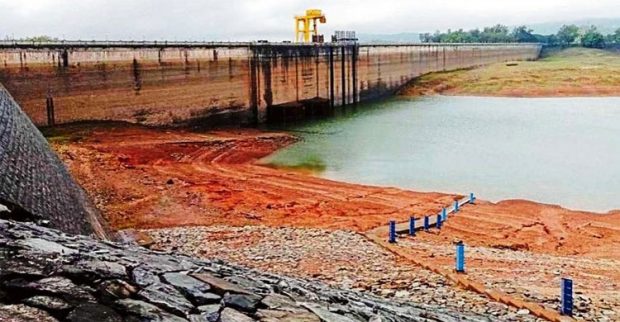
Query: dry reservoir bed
293	223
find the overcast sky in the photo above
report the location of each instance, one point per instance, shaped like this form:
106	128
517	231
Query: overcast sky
272	19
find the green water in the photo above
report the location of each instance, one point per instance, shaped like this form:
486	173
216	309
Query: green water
562	151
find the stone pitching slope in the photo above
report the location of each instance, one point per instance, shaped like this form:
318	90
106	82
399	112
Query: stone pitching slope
46	275
34	179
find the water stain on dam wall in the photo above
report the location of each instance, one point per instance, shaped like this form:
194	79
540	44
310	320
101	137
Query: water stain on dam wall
229	82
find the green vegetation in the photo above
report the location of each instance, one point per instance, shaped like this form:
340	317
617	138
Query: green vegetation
568	35
567	72
41	38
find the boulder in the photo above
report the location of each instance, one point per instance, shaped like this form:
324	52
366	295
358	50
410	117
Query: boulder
243	302
48	303
210	312
146	312
90	312
220	286
195	290
56	285
113	290
166	297
23	313
231	315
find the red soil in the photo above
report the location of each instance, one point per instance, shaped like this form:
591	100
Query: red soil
148	178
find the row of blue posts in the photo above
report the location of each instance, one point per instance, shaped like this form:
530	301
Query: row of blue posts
567	284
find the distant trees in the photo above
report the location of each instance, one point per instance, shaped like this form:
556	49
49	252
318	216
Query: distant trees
40	38
592	38
497	33
613	39
568	35
524	34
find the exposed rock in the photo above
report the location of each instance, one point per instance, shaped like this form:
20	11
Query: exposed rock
243	302
231	315
147	312
219	285
46	246
55	285
167	297
282	303
325	315
210	313
23	313
61	284
93	269
143	276
94	312
113	290
197	291
48	303
284	316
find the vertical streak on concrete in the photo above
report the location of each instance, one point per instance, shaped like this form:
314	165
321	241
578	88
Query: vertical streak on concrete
65	58
297	76
331	76
254	84
354	71
317	68
343	80
444	59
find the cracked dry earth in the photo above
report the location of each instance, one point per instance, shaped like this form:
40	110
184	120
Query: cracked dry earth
339	258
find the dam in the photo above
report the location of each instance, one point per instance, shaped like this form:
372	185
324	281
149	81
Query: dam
170	83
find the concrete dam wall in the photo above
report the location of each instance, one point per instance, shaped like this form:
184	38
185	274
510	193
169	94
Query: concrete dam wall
166	83
34	183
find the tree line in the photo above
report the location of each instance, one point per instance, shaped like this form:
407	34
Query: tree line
568	35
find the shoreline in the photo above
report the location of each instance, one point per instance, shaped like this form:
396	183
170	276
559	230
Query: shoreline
180	159
573	72
201	194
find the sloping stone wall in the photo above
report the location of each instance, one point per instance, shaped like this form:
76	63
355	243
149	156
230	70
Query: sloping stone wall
33	180
55	277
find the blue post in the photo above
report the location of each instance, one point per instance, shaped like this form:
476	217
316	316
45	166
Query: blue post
439	222
567	297
460	257
392	238
411	226
427	225
472	198
444	214
456	206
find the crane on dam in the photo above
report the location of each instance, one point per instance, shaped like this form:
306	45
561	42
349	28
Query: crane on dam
308	25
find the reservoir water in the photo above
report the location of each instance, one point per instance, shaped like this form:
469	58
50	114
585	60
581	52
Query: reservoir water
562	151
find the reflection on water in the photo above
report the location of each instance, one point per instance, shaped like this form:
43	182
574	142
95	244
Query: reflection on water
554	150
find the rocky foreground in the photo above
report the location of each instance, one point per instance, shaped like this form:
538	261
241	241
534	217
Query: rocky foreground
46	275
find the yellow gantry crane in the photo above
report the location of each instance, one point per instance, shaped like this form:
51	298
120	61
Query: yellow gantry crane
303	26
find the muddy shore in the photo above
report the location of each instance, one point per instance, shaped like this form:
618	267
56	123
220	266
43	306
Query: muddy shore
144	178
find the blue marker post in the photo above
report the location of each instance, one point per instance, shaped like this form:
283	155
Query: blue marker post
411	226
472	198
460	257
456	206
567	297
392	238
444	214
427	225
439	222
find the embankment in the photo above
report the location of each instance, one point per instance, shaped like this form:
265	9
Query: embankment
34	183
168	83
569	72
